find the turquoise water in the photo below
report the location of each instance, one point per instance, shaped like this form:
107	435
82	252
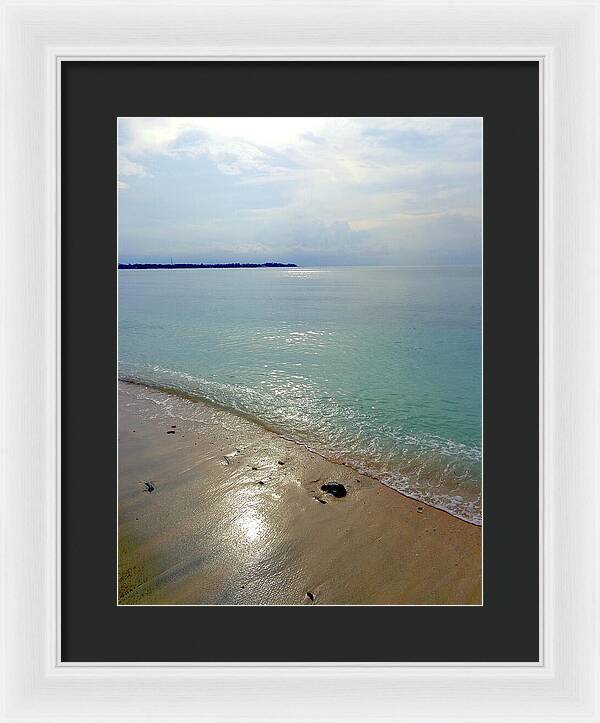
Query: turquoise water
378	367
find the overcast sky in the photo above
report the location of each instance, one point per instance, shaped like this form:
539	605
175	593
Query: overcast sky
343	191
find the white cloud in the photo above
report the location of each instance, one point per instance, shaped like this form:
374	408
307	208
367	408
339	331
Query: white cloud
375	177
127	167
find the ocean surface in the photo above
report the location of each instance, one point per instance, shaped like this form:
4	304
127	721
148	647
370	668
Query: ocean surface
379	367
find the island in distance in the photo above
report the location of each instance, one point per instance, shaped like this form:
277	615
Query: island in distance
268	265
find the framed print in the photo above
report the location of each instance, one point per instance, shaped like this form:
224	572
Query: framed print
299	362
262	463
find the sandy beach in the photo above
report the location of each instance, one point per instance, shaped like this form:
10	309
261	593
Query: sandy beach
234	514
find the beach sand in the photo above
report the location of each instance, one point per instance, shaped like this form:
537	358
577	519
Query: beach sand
237	517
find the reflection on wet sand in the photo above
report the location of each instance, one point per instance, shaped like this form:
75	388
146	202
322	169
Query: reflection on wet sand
238	516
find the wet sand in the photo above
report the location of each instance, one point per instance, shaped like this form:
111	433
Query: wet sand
236	516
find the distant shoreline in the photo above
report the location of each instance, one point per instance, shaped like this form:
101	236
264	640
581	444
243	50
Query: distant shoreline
270	265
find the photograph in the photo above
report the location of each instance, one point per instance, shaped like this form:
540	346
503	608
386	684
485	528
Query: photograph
300	361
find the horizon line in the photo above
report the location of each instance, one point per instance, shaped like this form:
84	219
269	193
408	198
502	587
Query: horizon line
292	264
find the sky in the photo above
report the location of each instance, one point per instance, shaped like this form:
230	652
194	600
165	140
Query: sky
311	191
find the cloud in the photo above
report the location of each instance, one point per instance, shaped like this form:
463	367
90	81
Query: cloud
127	167
335	190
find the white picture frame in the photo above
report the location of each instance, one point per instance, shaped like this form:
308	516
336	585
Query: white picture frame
564	38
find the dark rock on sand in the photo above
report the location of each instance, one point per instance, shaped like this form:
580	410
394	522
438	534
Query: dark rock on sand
170	431
310	596
280	462
323	502
334	488
149	486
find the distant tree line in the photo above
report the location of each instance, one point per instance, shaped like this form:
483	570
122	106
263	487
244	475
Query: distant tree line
268	265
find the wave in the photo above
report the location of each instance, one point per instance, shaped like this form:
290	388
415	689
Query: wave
436	471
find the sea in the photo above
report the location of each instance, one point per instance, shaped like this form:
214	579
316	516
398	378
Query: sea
376	367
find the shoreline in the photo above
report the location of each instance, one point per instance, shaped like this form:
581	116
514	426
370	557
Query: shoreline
237	517
200	399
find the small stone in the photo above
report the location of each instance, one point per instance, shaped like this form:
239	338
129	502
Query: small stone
323	502
280	462
170	431
419	509
334	488
310	596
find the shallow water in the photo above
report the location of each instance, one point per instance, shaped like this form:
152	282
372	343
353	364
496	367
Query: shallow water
379	367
